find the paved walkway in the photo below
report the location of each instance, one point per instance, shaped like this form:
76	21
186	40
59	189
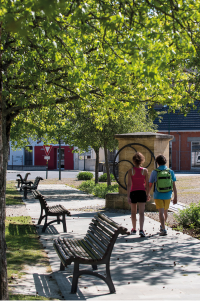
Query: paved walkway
151	268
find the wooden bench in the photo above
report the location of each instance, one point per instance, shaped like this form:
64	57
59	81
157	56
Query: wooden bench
23	181
94	249
57	210
31	187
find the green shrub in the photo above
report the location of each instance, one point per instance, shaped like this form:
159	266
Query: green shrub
87	186
99	190
84	175
103	178
189	217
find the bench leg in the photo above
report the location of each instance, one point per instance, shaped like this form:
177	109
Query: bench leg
25	193
78	273
58	219
108	279
62	267
40	218
64	224
75	278
94	267
45	224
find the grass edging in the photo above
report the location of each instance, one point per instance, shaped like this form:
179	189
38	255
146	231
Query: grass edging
23	245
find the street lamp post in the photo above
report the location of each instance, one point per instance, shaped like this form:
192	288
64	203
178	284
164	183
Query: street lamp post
59	159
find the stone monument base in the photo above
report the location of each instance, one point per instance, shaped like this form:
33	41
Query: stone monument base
119	201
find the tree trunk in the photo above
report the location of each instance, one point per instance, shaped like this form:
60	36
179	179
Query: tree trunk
97	166
3	167
107	165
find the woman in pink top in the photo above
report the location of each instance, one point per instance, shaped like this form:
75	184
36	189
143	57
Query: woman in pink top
137	191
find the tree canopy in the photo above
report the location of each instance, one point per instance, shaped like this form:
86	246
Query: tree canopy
119	51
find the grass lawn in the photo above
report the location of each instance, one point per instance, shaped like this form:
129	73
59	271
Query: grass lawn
13	197
23	245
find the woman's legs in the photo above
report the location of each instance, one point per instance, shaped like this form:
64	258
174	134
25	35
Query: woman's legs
141	214
133	214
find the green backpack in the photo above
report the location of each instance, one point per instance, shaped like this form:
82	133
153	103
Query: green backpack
164	180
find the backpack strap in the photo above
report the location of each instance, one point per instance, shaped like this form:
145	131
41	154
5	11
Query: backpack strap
158	170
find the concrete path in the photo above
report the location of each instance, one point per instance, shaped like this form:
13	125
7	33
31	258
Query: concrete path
151	268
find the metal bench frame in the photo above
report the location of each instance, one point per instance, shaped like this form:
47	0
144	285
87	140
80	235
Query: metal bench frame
31	187
94	249
57	210
23	181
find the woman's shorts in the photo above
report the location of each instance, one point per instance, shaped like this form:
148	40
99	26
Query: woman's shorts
162	204
138	196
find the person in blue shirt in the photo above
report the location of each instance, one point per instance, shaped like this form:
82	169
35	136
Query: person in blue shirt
162	199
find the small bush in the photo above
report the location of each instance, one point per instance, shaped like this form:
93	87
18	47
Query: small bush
103	178
84	175
99	190
189	217
87	186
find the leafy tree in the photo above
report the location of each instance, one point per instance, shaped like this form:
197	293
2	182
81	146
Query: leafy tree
75	52
97	129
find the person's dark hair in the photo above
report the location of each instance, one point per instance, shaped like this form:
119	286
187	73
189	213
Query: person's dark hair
138	158
161	160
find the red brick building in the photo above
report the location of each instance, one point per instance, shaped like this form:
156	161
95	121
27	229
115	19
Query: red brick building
185	147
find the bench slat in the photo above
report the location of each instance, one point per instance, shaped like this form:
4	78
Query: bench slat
108	220
79	248
108	226
84	246
95	245
97	240
65	248
88	249
102	229
69	248
101	236
105	230
61	252
57	209
79	253
73	247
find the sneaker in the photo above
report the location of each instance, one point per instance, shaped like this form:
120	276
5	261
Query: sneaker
161	228
163	232
141	233
133	231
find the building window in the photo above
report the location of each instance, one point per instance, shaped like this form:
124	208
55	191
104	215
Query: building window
195	154
28	152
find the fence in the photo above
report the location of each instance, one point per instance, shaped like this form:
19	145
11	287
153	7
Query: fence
17	163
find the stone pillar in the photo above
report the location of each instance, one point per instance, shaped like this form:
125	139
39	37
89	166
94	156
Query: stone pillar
156	143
